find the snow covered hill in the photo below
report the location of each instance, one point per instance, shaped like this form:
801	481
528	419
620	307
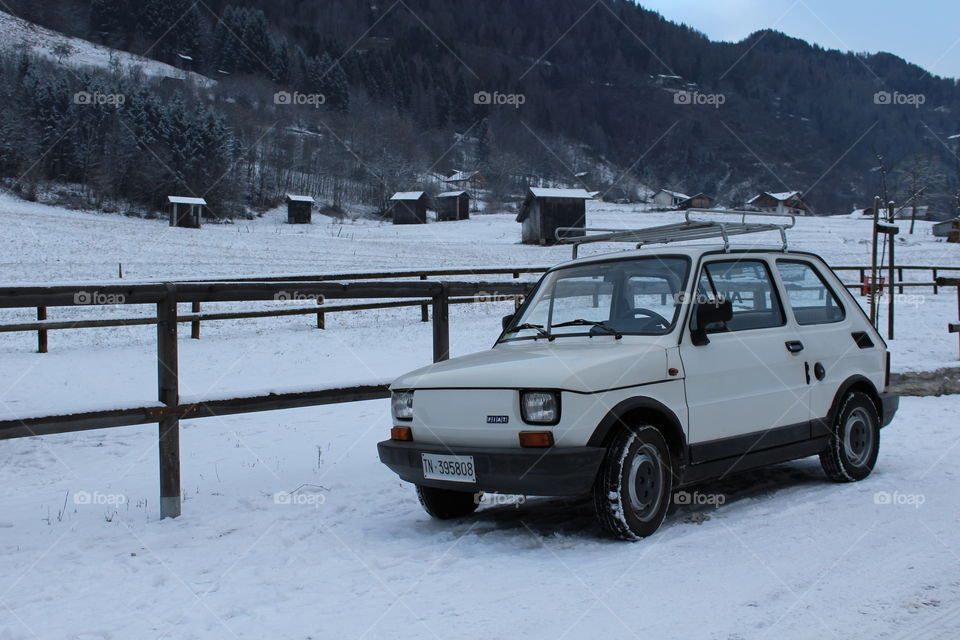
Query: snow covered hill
17	33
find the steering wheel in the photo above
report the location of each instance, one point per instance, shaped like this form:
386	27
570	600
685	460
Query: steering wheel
633	313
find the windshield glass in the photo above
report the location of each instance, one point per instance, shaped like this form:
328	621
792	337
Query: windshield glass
635	296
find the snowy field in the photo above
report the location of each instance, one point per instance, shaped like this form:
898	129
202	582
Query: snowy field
349	553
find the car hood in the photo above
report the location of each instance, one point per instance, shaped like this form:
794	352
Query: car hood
574	364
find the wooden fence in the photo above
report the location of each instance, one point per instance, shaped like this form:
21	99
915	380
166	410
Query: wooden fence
170	410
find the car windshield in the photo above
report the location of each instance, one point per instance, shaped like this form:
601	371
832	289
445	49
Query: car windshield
619	297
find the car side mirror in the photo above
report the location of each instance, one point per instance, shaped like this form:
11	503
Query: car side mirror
708	313
507	319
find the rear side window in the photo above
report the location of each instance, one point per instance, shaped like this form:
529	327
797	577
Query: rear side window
748	286
813	302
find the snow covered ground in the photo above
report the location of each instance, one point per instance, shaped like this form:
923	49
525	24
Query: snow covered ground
349	553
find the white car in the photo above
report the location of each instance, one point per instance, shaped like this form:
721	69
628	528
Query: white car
632	374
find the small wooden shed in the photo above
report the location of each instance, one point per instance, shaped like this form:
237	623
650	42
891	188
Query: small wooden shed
453	205
699	201
949	229
545	210
299	209
409	207
186	212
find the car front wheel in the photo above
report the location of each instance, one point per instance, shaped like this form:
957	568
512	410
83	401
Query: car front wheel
855	442
632	491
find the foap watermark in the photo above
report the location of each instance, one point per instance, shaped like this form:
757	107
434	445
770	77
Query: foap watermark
98	99
715	100
914	100
297	296
98	297
111	499
498	499
499	99
896	498
494	296
298	498
698	499
285	98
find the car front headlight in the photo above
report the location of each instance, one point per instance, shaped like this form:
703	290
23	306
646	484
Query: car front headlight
540	407
402	405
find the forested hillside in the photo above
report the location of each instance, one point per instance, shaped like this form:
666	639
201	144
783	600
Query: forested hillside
606	94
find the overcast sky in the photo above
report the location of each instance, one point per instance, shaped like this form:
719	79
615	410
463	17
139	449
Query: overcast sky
925	32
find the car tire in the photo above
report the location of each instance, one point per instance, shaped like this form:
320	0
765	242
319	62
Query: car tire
445	504
633	488
855	440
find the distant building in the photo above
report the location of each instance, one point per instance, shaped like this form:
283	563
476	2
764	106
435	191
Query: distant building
452	205
786	202
186	212
667	198
299	209
699	201
949	229
471	181
545	210
409	207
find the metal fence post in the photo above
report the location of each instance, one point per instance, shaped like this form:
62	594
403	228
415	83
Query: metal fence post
168	387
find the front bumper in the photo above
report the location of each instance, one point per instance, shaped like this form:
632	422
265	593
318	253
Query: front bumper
564	471
890	403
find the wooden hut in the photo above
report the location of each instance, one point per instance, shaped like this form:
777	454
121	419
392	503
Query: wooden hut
545	210
949	229
452	205
669	199
409	207
699	201
186	212
299	209
786	202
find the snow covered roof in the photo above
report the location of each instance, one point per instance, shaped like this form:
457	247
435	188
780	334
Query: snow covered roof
540	192
451	194
185	200
782	196
407	195
294	198
675	194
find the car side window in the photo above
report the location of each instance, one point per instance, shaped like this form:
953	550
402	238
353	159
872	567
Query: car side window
747	284
813	302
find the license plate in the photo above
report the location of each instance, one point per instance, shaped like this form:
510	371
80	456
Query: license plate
453	468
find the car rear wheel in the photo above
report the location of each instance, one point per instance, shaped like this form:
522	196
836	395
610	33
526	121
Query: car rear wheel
445	504
632	491
855	443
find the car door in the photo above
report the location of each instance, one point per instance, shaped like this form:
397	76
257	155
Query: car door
834	348
746	389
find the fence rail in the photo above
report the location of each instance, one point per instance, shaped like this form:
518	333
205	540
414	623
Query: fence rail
169	410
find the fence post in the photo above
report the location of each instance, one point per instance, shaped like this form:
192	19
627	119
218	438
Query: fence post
424	314
168	391
441	325
900	276
195	325
42	333
934	282
321	319
890	272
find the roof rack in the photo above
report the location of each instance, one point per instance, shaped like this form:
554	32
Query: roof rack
689	229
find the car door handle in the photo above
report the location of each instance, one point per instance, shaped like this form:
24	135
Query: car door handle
794	346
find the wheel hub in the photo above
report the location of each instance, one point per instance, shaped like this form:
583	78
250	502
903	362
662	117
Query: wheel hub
645	482
858	436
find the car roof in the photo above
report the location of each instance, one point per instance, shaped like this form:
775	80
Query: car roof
694	252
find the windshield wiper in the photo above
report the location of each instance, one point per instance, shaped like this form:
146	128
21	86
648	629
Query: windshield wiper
580	322
536	327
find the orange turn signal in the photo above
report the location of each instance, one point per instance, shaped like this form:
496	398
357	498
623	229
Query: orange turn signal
536	438
401	433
